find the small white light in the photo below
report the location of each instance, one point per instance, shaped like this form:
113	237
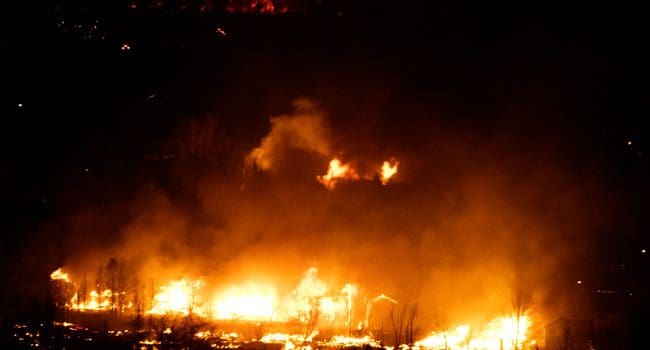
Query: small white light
642	251
20	105
579	282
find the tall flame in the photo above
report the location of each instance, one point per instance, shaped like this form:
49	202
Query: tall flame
251	302
180	296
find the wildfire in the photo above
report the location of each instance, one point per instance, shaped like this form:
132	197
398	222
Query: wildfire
251	302
336	172
310	303
345	341
254	6
388	169
180	297
500	333
372	303
98	301
93	300
282	338
311	297
58	274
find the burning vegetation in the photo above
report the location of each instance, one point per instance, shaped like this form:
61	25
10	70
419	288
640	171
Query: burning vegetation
311	315
401	255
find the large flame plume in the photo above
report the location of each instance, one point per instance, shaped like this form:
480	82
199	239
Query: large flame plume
251	301
181	296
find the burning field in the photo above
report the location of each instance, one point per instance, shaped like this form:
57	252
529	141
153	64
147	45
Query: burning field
289	174
313	315
321	239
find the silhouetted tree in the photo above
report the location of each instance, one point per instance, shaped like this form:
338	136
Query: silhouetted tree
411	331
117	280
137	322
521	303
398	315
61	292
312	316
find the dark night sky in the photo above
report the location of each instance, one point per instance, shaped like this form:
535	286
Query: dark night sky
573	76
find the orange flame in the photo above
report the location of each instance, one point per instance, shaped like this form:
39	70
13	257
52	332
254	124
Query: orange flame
347	342
179	297
98	301
336	172
250	302
502	330
58	274
388	169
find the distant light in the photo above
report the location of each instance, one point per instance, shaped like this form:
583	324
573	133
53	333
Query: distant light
642	251
20	105
629	142
220	31
579	282
125	47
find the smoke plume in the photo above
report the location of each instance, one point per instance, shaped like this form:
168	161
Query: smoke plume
304	129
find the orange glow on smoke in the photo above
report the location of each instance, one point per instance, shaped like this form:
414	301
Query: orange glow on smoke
336	172
388	169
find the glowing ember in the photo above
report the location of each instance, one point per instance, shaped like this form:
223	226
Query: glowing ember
250	302
58	274
345	341
336	172
503	330
281	338
203	334
388	169
254	6
179	297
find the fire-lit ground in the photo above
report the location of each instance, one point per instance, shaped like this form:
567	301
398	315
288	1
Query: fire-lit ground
313	315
